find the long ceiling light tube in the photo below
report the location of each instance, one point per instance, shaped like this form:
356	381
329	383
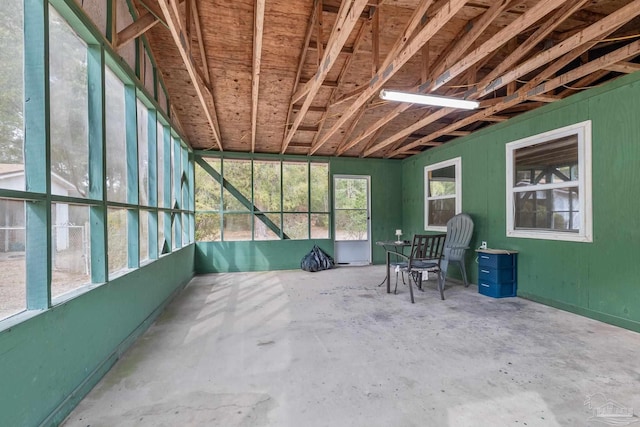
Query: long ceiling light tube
438	101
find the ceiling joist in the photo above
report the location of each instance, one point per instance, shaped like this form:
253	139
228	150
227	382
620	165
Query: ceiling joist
204	96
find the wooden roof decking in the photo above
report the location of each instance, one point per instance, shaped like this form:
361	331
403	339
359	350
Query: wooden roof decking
303	76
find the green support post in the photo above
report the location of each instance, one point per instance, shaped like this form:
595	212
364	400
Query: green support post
131	132
97	164
153	183
37	153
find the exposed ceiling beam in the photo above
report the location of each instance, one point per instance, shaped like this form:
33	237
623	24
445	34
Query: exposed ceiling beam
593	32
347	18
204	96
314	108
624	67
375	41
394	63
538	36
343	72
301	61
474	95
525	93
138	28
521	23
453	52
545	98
203	53
258	31
583	83
313	45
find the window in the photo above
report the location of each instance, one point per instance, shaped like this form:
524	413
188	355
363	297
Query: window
261	200
69	113
11	94
443	193
116	142
94	194
549	185
143	154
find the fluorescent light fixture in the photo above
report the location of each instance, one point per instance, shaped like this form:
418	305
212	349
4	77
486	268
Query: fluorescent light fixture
439	101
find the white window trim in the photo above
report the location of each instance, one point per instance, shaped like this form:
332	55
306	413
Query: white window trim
457	162
583	132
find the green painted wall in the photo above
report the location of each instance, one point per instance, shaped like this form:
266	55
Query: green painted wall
386	217
598	279
52	360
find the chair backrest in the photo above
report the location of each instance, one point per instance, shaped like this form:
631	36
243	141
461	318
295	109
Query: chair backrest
459	231
427	247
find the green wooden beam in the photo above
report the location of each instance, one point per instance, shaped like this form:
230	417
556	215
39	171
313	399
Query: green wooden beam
241	198
97	164
166	247
152	131
37	170
177	192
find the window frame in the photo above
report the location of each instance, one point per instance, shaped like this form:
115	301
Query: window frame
457	163
584	184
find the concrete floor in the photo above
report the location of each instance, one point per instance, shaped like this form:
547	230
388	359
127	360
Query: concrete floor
332	349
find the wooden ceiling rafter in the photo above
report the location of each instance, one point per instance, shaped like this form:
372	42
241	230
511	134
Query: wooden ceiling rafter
456	49
343	72
583	83
521	23
337	30
624	67
195	15
593	30
558	17
393	63
433	114
258	32
591	33
319	46
301	61
266	93
135	30
348	17
204	95
527	92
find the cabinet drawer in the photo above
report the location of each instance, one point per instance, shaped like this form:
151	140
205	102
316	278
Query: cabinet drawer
497	290
496	260
495	274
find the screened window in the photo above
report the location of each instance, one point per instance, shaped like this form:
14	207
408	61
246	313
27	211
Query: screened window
117	240
443	193
208	197
295	179
143	154
261	200
71	247
548	185
12	257
11	94
319	203
116	142
69	112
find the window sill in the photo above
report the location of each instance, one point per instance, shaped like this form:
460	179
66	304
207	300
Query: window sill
551	235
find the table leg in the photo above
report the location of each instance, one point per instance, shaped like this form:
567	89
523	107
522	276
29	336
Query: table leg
388	281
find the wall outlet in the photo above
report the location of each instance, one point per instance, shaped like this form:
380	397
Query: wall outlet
483	245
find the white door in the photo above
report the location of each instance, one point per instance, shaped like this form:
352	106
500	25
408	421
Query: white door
352	220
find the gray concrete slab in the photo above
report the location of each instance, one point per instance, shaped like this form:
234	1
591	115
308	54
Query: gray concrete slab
291	348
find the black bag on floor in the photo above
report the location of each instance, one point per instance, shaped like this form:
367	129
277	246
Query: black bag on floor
316	260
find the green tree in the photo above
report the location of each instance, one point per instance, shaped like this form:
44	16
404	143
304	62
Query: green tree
11	82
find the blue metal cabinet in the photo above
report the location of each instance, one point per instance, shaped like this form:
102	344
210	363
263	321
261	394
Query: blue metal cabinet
497	273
